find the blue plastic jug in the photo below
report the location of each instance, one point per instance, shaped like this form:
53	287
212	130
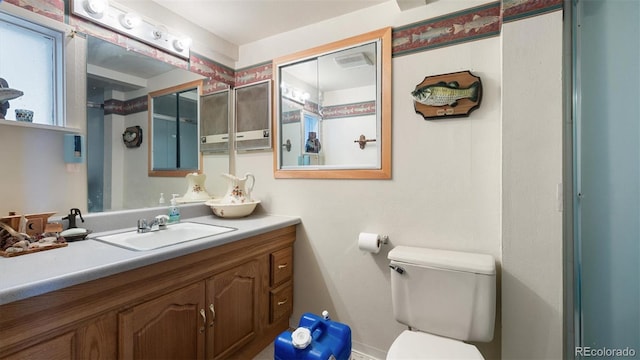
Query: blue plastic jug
327	340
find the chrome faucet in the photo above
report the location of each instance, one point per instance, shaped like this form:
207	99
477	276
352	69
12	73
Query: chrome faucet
158	223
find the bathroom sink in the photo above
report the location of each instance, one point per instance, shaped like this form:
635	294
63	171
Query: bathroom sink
173	234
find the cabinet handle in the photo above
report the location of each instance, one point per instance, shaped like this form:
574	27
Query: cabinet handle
282	302
283	266
213	314
204	320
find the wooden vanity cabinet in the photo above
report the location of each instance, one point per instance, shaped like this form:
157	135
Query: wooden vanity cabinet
232	298
214	304
168	327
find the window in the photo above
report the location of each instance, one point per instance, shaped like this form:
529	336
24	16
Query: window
33	64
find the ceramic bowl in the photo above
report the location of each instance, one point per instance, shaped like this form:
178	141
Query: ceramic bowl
226	210
24	115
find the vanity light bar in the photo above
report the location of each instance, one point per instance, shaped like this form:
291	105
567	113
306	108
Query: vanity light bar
131	24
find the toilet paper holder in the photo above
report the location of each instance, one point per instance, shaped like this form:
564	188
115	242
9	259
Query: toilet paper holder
371	242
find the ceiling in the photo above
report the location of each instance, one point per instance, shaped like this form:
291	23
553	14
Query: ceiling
244	21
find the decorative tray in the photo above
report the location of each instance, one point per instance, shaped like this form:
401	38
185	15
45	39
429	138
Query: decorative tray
13	243
30	251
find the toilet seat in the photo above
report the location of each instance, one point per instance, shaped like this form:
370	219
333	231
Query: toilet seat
419	345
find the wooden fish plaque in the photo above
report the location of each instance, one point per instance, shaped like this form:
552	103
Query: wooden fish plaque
449	95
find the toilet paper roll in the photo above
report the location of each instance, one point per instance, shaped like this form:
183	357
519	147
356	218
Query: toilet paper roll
369	242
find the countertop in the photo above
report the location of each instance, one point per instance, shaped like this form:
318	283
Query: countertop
81	261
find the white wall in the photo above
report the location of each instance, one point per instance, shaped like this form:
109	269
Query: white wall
532	169
445	191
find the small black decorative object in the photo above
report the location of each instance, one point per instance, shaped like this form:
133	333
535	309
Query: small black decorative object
132	136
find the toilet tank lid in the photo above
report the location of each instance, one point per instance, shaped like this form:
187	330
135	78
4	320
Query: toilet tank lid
444	259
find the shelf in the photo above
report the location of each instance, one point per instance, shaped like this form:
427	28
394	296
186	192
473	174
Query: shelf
63	129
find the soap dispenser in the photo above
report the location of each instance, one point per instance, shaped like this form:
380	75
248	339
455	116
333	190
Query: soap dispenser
174	211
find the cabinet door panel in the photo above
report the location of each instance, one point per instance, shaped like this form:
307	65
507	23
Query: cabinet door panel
60	348
98	339
169	327
233	294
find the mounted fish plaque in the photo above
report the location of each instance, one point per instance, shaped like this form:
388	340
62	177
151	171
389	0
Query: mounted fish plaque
448	95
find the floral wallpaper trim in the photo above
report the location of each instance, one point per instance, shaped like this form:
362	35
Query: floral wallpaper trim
53	9
213	86
254	73
291	117
127	107
349	110
513	10
212	70
463	26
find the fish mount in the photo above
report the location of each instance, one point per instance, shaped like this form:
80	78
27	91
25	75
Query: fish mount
448	95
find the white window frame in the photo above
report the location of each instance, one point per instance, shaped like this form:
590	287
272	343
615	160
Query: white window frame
58	65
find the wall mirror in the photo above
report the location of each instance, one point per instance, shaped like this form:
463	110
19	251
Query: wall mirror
118	84
173	125
332	110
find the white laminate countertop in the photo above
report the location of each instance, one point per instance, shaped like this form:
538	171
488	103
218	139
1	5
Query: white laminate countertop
81	261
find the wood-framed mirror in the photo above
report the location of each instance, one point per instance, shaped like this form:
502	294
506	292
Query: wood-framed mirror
174	130
332	110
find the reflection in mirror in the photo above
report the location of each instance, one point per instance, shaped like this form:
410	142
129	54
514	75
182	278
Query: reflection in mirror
327	99
214	122
118	83
174	125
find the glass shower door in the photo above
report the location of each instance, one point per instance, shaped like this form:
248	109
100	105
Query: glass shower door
607	181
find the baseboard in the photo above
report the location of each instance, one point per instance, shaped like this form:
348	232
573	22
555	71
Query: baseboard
361	351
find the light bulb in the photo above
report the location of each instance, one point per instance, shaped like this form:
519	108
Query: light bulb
130	20
96	8
181	44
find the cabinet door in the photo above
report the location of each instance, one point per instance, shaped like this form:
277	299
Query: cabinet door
253	116
233	295
60	348
214	122
169	327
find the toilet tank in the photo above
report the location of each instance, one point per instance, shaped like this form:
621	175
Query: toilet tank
446	293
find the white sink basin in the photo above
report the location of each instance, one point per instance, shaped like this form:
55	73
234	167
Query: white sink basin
173	234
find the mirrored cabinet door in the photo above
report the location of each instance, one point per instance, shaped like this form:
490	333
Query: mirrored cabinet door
332	110
174	123
214	122
253	116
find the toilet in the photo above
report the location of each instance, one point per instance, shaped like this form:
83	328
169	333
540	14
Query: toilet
445	298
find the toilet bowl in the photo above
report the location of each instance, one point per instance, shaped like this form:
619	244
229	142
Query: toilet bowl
445	298
418	345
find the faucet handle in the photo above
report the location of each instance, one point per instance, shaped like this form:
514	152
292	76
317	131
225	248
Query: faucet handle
142	225
162	221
